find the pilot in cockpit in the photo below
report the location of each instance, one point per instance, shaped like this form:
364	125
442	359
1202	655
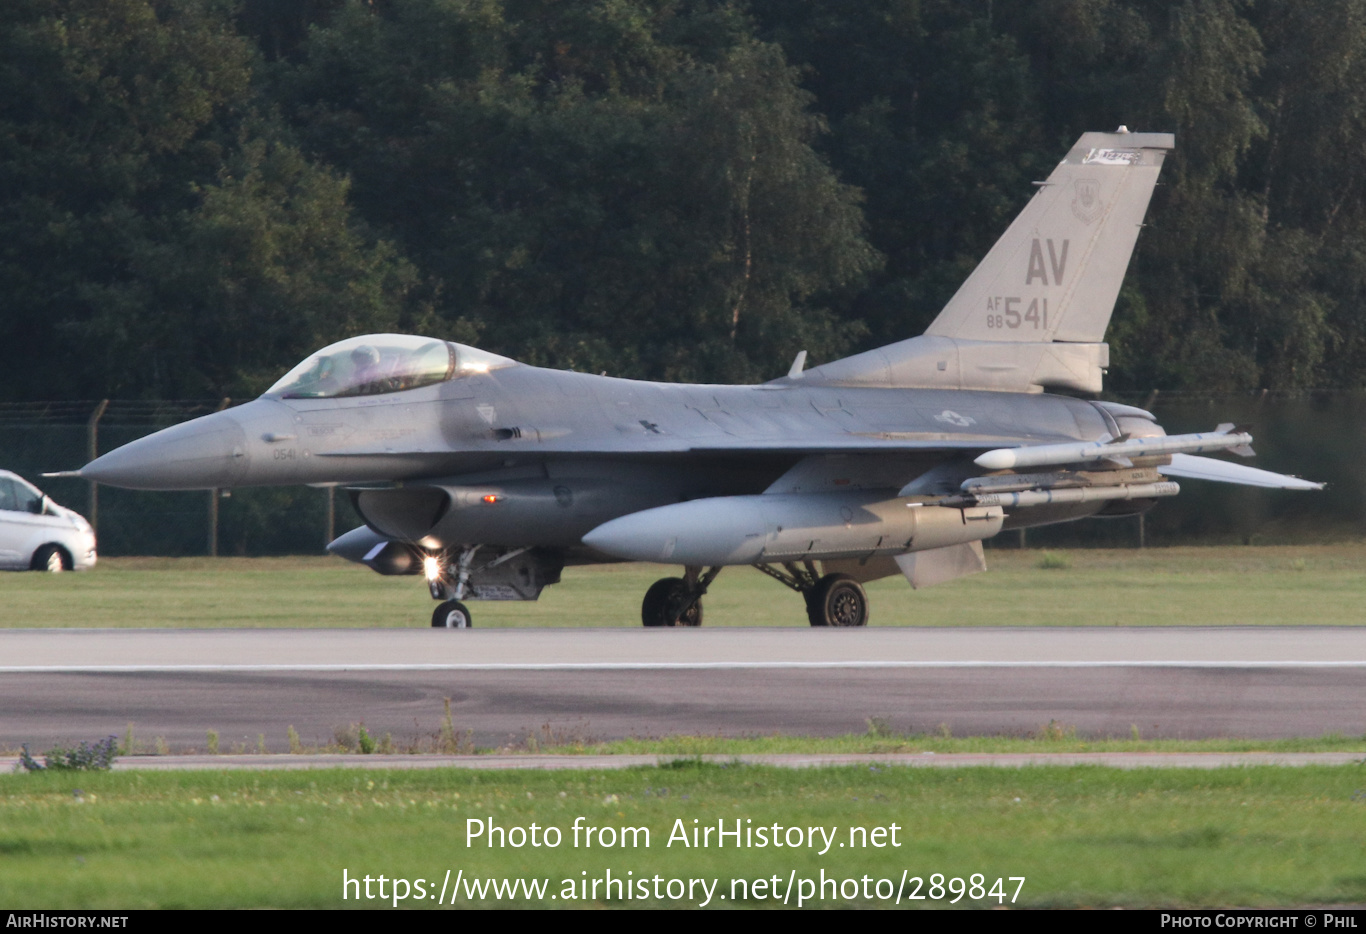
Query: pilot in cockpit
366	376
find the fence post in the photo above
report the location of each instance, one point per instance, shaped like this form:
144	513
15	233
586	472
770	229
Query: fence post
331	515
1142	530
93	449
213	500
213	523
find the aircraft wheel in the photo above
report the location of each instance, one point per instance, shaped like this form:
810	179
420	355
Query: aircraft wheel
660	606
837	600
452	615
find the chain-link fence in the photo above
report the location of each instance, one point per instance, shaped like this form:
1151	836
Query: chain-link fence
1318	435
38	437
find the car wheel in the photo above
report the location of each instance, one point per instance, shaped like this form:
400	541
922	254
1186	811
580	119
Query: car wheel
51	558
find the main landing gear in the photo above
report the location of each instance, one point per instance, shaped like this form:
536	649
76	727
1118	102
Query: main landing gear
837	600
677	601
832	600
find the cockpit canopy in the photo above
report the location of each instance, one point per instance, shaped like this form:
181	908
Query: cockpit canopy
382	363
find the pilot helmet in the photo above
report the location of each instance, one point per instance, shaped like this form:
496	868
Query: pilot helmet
364	356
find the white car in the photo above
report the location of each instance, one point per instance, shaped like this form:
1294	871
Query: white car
38	535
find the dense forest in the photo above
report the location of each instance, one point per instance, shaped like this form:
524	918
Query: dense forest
196	194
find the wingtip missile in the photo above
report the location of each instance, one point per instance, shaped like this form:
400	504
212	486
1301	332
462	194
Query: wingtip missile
1076	452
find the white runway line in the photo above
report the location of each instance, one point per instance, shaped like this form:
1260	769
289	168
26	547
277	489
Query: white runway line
668	666
276	651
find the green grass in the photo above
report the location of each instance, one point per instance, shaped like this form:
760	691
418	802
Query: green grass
1050	737
1080	836
1249	586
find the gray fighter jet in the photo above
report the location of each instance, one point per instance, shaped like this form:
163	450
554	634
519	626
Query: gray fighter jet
488	477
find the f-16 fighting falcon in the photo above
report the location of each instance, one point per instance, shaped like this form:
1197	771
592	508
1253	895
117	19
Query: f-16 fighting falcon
488	476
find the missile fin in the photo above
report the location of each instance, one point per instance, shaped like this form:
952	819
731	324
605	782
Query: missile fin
940	565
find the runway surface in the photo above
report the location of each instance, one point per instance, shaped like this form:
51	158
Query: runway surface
505	685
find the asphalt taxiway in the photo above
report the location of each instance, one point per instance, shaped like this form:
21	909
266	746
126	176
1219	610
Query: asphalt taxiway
598	684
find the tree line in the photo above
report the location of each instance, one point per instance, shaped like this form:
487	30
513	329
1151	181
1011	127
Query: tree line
196	194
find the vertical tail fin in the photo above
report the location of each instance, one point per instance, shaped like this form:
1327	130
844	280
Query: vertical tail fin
1055	273
1032	316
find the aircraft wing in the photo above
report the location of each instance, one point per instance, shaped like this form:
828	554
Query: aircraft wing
852	444
1207	468
869	444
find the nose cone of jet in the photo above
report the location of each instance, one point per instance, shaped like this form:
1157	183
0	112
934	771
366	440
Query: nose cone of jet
202	454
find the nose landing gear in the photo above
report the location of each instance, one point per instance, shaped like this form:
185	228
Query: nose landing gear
452	614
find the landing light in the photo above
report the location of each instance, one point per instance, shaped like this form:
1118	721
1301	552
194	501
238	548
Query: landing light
431	567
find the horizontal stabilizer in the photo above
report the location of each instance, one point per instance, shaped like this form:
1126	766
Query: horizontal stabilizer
1207	468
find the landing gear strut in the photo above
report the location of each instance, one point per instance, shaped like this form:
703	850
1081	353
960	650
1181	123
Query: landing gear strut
449	579
452	614
677	601
832	600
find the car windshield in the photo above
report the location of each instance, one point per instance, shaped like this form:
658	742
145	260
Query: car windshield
381	363
18	496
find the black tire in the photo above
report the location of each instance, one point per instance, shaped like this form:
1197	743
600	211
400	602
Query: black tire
452	615
661	603
837	600
51	558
